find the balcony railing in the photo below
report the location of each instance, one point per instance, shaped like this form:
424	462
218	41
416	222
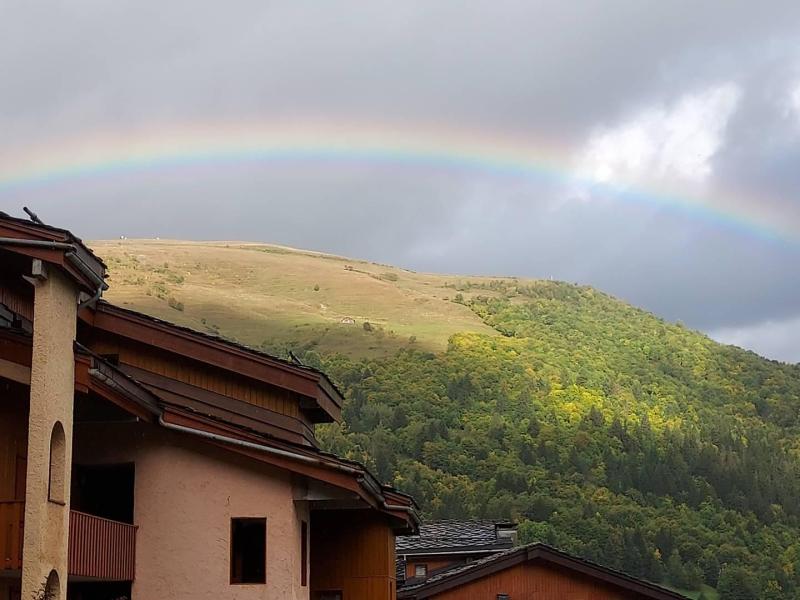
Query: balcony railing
98	548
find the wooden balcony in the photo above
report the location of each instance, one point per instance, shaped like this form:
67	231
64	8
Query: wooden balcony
98	548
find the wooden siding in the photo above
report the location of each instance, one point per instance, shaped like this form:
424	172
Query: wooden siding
16	298
352	551
13	440
101	548
12	515
208	378
540	581
432	564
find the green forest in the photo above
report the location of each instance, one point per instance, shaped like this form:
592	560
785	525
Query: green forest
602	429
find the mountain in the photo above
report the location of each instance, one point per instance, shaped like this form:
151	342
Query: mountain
603	429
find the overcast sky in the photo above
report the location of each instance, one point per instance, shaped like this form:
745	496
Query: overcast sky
634	101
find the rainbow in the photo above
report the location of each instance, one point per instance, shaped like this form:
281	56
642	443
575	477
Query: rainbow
222	144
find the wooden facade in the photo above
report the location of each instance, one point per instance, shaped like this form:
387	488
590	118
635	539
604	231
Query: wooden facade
535	571
12	516
543	582
178	368
431	564
13	441
352	552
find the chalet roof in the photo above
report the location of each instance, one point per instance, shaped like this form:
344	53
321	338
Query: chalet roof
64	234
53	245
221	353
464	573
452	535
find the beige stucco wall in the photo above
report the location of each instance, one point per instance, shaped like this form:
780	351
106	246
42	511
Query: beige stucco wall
51	401
186	493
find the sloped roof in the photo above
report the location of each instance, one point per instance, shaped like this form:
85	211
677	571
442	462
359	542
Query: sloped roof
452	535
220	352
53	245
465	573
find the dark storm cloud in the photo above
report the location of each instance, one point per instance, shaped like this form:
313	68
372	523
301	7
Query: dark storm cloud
548	70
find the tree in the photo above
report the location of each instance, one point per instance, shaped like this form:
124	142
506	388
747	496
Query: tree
675	570
737	583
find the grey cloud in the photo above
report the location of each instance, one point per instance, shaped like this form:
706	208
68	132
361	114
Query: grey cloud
546	70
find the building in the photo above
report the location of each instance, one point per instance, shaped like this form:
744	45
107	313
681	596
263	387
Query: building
143	460
441	545
533	571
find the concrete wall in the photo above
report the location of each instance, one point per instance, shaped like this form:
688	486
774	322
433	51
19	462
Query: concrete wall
186	493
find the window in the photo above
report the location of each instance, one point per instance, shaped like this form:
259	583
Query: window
420	570
248	550
503	597
57	484
303	553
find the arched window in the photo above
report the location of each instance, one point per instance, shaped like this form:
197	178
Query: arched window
57	490
52	588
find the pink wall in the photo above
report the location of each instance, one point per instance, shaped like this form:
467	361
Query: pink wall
185	496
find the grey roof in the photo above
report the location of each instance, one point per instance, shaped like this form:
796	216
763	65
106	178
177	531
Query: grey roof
453	536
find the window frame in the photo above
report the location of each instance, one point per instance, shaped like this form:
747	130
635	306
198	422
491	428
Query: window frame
423	566
304	553
233	580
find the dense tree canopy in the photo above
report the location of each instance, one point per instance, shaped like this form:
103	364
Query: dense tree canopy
604	430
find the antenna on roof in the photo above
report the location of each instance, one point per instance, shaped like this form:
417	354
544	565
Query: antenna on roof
294	359
34	217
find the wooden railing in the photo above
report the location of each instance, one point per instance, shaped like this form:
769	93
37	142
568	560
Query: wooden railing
98	548
12	515
101	548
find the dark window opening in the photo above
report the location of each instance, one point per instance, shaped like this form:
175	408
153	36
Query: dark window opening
248	550
303	553
329	595
104	491
112	359
98	590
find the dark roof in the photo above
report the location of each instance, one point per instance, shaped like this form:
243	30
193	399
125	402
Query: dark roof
483	567
455	536
64	234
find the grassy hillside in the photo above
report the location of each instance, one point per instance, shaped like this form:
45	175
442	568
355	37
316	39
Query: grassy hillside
603	429
270	295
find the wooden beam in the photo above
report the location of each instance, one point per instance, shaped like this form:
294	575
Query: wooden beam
15	372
